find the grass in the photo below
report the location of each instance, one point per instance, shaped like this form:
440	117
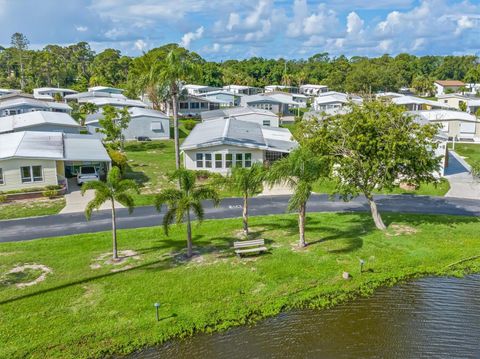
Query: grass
427	189
88	307
470	151
31	208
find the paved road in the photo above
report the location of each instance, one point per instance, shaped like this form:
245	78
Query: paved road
67	224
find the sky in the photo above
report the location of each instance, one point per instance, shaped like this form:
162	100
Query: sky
236	29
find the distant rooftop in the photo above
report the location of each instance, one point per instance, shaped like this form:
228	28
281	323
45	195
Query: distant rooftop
28	119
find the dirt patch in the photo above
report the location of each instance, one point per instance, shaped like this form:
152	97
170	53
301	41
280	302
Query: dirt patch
125	260
26	275
395	230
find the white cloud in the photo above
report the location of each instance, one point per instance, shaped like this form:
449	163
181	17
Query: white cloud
81	28
354	23
191	36
140	45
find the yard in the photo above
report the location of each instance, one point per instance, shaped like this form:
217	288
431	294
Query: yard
471	151
86	306
31	208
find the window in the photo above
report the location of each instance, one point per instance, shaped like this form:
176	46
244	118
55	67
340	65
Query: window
266	123
1	177
183	105
204	104
195	105
208	160
31	174
199	160
239	160
218	160
248	160
228	160
156	126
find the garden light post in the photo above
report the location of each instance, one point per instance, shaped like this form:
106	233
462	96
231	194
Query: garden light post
362	262
157	305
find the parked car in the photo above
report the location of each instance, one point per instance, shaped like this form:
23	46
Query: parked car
87	174
143	138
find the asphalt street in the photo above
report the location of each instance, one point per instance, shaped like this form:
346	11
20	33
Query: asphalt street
75	223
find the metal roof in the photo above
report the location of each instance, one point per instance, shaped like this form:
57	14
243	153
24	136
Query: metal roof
113	101
28	119
44	145
84	148
406	100
235	112
239	133
445	115
139	111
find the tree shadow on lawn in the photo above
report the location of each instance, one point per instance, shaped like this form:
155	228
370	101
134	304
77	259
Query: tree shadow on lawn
144	146
422	219
138	176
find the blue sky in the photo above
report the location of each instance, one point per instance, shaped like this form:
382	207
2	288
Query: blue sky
225	29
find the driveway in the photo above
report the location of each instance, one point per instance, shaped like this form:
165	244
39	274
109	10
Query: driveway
462	183
76	203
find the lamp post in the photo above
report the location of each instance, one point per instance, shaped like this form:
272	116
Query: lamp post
362	262
157	305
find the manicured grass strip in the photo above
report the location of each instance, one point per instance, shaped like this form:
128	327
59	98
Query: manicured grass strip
88	308
470	151
31	208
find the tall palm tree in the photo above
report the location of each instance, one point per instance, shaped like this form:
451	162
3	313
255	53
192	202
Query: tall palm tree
299	170
182	202
114	189
248	181
179	65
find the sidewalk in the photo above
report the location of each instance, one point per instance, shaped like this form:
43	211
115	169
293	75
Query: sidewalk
462	183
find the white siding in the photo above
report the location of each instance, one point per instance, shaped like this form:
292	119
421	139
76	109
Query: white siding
12	177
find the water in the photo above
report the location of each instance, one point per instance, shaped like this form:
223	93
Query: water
427	318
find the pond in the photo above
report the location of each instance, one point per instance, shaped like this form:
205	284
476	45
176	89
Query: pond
427	318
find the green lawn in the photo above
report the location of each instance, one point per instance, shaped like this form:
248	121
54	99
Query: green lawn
471	151
87	307
31	208
425	189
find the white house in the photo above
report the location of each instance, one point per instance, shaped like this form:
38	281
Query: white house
332	101
118	102
282	88
412	103
276	103
218	145
455	124
106	89
8	91
243	90
45	121
38	159
193	106
143	123
17	103
199	89
445	86
453	100
313	90
250	114
49	93
224	97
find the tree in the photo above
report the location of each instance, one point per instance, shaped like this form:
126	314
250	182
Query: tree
423	85
182	202
462	105
179	65
112	124
248	182
20	43
299	170
114	189
375	146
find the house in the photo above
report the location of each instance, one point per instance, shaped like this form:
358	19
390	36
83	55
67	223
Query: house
199	89
295	97
8	91
33	159
453	100
243	90
281	88
143	123
412	103
275	103
226	98
473	89
17	103
473	105
332	101
249	114
218	145
45	121
388	95
443	87
193	106
106	89
455	124
49	93
119	102
312	90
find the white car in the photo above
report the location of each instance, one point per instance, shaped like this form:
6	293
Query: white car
87	174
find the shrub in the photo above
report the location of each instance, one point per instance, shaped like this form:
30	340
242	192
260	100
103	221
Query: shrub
189	124
118	159
50	193
3	198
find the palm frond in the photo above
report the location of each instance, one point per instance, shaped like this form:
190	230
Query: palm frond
168	219
206	192
95	185
127	185
198	211
167	196
95	203
126	200
301	194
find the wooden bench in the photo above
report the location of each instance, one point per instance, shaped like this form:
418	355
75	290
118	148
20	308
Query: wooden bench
253	246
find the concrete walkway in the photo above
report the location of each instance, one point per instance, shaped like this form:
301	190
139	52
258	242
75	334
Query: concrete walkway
76	203
276	190
462	183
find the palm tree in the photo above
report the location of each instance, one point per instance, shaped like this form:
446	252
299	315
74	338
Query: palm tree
114	189
178	65
249	182
300	170
183	201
